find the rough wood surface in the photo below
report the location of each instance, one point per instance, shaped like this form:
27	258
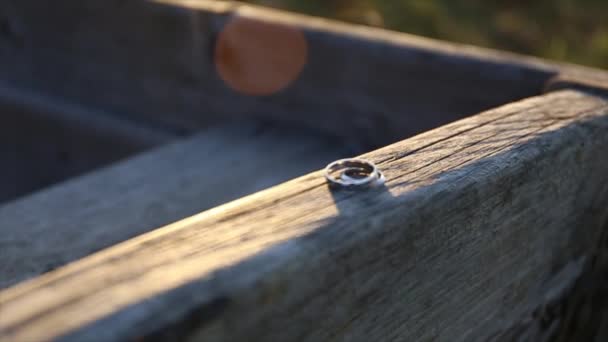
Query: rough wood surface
71	220
580	310
481	222
154	61
44	141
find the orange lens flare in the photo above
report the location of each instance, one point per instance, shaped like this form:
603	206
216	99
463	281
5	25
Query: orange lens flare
259	58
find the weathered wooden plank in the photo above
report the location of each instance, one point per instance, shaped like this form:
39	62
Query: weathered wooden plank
74	219
44	141
589	82
481	222
155	61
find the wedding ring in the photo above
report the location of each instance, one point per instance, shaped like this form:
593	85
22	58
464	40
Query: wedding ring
353	173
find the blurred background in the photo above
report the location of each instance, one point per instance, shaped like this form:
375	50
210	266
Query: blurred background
575	31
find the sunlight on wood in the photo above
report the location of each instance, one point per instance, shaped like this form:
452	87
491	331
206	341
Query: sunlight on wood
231	246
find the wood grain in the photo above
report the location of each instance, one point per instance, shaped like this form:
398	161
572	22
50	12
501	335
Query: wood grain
481	222
153	61
74	219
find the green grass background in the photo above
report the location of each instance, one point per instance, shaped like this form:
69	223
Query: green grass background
569	30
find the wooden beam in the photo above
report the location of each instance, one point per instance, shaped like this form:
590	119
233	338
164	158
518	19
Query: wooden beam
45	140
74	219
155	62
481	222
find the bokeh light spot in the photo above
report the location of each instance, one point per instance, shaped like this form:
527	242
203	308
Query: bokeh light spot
259	58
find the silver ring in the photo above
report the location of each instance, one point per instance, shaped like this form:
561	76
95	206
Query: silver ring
353	173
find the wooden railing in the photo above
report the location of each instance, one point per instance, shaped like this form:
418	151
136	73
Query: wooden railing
483	227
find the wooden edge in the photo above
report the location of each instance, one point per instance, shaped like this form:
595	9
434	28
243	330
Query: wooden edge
357	81
480	223
44	141
362	32
595	82
153	189
38	105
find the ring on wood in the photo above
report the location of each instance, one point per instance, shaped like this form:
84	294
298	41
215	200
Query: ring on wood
353	173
